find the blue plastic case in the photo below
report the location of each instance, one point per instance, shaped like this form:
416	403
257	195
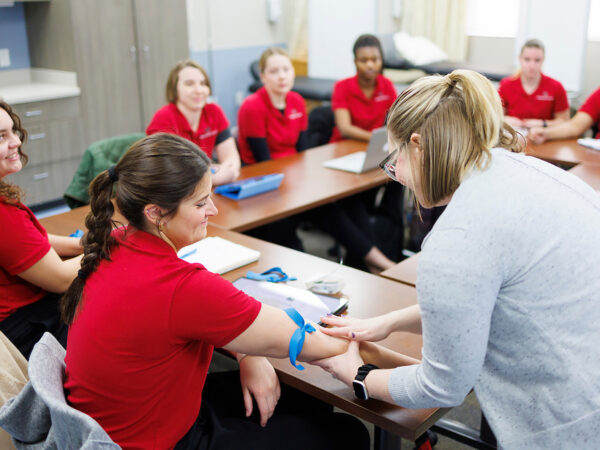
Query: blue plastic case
250	186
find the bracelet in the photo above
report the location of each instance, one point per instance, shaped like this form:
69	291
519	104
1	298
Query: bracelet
544	123
297	340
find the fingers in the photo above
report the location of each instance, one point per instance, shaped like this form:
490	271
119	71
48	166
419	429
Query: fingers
343	332
247	400
266	407
335	321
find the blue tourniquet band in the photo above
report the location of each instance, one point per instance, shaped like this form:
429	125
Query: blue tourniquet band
274	275
297	340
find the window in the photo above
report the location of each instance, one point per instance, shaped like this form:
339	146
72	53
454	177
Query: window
594	23
493	18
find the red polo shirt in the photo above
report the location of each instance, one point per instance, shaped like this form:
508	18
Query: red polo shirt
365	113
592	107
213	127
548	99
23	242
140	346
258	118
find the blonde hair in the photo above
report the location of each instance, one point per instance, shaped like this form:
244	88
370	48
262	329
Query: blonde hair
459	118
262	63
533	43
171	88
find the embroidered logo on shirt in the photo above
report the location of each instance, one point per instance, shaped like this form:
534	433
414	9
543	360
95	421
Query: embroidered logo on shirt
208	133
545	97
294	114
381	97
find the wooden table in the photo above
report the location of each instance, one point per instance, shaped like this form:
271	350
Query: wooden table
565	152
369	295
404	272
306	185
590	173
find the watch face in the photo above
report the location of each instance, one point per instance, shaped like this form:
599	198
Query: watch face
360	390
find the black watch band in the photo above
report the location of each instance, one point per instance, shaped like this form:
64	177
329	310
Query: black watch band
360	388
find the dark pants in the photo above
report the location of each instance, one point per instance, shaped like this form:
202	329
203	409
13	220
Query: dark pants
300	422
27	324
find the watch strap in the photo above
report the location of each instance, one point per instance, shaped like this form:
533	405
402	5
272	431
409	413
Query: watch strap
364	370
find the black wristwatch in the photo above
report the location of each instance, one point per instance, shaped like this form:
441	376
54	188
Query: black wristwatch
360	388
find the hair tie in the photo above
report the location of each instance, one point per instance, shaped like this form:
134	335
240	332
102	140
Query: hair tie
81	274
112	174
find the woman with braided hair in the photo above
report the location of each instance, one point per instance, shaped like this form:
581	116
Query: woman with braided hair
32	272
143	322
507	282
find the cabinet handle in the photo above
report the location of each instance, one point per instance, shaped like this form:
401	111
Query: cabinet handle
37	136
133	53
146	49
33	113
40	176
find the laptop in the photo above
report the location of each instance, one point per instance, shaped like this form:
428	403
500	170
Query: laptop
360	162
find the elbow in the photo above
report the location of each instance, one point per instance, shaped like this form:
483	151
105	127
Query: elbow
60	287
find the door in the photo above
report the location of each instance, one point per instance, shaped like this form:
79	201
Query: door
162	37
107	67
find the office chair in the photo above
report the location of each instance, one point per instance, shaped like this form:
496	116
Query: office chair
40	417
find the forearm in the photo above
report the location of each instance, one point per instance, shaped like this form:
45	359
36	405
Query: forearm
270	334
354	132
384	357
406	319
65	245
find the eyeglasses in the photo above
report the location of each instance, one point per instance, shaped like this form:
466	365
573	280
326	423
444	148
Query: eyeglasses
388	165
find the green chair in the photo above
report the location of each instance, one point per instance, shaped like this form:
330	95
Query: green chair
97	157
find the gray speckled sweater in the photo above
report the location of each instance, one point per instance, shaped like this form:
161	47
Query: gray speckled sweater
509	287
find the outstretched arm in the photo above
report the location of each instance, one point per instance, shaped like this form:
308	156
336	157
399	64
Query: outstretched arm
570	129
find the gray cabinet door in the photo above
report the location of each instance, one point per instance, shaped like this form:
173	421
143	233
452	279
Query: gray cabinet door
107	68
162	41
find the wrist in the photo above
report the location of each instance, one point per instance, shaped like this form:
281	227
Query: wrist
240	357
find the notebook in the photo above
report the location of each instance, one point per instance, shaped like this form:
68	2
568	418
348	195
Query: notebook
218	255
311	306
360	162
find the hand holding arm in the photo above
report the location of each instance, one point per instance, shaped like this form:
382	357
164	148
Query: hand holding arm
374	328
258	379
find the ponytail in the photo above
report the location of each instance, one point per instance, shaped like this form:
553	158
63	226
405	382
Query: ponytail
96	242
459	117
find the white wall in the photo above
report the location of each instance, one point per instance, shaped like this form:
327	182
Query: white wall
333	26
220	24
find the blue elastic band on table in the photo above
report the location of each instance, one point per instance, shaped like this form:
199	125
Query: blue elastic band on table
274	275
297	340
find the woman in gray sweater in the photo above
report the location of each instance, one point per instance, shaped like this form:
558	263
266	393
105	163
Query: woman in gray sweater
507	282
